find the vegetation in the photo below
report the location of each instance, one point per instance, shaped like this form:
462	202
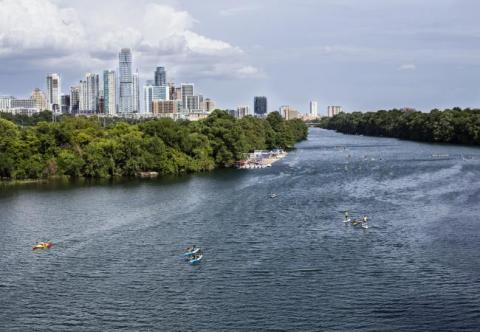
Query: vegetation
460	126
32	148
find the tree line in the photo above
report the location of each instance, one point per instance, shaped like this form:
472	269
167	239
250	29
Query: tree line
34	148
457	126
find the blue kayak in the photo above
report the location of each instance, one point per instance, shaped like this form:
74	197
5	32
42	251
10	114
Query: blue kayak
191	253
196	260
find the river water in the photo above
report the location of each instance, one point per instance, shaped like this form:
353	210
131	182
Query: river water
285	264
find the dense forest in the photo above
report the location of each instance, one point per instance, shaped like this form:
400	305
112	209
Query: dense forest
460	126
37	147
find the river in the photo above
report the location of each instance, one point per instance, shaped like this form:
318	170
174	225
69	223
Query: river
287	263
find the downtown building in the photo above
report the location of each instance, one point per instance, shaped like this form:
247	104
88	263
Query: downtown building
152	93
126	81
74	99
334	110
260	107
110	92
160	76
54	92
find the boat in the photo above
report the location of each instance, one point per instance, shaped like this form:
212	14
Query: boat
347	220
357	223
196	260
191	252
273	195
43	245
365	226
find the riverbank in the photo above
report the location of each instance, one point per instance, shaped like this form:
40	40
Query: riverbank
83	148
452	126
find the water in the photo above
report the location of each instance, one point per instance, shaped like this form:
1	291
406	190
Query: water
287	263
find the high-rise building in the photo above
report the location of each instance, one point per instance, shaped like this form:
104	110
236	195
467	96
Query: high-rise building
193	103
160	76
334	110
54	91
110	92
187	91
74	99
40	99
65	106
289	113
260	106
209	105
83	97
178	94
136	92
242	111
313	109
93	90
153	93
126	81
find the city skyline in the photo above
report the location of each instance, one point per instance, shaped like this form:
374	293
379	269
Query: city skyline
336	52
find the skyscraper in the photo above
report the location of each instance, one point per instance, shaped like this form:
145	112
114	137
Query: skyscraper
92	92
110	92
187	91
65	107
160	76
260	106
83	97
54	92
74	99
136	92
126	81
313	109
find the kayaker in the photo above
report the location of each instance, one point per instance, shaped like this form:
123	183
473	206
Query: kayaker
365	219
346	215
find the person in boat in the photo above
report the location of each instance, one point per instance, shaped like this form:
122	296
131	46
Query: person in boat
346	215
365	219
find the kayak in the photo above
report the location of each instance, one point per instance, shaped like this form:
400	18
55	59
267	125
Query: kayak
196	260
356	223
42	245
191	253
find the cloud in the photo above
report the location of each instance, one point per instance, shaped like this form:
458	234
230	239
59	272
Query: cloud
407	67
56	37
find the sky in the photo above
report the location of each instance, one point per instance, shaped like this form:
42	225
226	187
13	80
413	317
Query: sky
361	54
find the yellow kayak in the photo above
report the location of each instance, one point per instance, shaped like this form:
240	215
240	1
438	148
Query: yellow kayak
43	245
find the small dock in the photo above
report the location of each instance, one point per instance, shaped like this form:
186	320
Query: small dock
261	159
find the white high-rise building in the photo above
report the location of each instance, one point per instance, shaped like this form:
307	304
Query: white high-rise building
110	92
313	109
187	90
243	111
153	93
54	92
126	81
136	92
92	91
83	97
